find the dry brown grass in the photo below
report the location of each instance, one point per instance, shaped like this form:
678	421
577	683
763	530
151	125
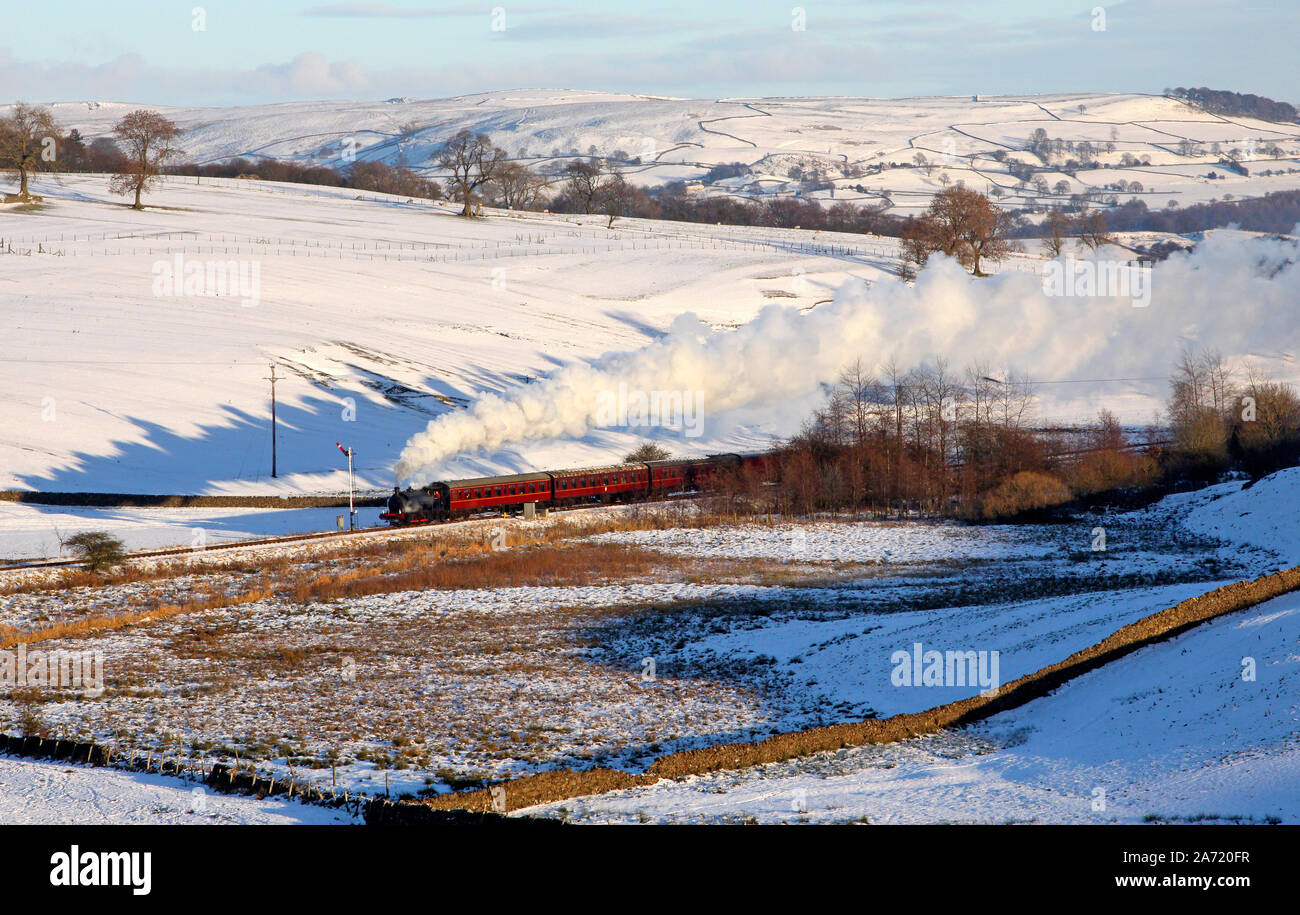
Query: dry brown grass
489	557
98	623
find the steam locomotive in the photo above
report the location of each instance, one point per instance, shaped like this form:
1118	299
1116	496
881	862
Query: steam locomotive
559	488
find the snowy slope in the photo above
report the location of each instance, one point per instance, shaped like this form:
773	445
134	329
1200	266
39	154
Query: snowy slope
1266	514
38	791
1172	731
378	314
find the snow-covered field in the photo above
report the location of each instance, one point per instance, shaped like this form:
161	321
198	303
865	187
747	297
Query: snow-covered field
1176	732
420	691
34	531
38	791
1171	733
169	392
1266	514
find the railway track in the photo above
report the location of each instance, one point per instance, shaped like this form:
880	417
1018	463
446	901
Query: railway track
362	533
216	547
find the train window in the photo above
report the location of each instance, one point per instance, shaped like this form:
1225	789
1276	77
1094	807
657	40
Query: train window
478	494
510	490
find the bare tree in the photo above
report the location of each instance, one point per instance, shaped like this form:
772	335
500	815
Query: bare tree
1013	398
968	225
1093	231
862	395
647	451
473	160
919	241
983	392
1201	398
961	223
27	143
1056	226
617	198
585	182
515	186
149	141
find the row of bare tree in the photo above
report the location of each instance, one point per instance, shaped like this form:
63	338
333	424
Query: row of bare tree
1223	416
933	441
30	141
480	171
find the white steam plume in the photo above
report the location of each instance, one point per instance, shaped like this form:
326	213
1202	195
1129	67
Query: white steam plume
1240	297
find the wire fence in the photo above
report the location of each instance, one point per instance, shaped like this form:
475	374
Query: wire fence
198	244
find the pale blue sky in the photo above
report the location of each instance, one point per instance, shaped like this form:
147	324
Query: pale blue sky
255	51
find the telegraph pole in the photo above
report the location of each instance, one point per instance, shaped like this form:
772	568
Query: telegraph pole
272	380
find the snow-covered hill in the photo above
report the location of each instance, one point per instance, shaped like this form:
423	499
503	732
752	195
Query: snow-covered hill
848	142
